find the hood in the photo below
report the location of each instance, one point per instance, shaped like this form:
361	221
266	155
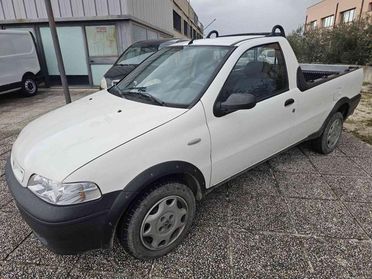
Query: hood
63	140
119	71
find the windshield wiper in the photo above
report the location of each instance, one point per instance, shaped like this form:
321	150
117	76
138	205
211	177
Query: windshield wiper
114	90
140	88
145	95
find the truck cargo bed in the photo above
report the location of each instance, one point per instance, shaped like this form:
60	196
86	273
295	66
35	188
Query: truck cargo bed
311	75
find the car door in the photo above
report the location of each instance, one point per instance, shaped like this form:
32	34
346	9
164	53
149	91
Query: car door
246	137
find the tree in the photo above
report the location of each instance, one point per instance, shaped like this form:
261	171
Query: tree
346	43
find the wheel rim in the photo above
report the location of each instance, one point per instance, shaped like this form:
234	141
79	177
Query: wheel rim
334	133
30	86
164	223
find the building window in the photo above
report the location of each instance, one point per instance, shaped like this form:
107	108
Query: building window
328	21
185	28
348	16
313	24
177	21
102	40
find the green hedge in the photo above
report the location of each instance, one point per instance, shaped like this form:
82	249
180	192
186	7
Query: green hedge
344	44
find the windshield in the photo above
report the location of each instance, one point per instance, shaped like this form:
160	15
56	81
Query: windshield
134	55
175	76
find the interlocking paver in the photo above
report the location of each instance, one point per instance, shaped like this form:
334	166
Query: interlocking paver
353	147
324	218
113	260
253	183
351	188
307	150
268	256
266	213
364	163
299	215
13	230
339	258
6	144
34	252
363	213
339	166
304	185
12	270
292	161
211	211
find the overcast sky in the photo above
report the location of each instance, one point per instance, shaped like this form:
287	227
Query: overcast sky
241	16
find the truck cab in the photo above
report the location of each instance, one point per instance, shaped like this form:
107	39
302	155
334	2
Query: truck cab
189	118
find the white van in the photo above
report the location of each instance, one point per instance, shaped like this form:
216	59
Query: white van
19	62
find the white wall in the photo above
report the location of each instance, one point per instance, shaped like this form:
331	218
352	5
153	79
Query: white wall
155	12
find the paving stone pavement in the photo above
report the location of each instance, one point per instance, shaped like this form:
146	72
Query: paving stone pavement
300	215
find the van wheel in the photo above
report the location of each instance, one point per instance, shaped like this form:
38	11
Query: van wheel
327	142
158	221
29	86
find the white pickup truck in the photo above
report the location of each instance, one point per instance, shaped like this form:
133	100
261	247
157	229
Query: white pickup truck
132	161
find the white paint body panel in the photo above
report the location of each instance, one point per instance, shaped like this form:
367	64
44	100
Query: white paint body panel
63	140
90	141
21	59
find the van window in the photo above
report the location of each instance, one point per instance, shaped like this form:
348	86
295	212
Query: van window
6	45
23	43
15	44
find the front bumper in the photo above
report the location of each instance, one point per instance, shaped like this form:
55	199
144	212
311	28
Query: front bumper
65	229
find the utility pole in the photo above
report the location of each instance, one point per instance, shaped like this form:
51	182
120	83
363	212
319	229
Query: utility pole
57	48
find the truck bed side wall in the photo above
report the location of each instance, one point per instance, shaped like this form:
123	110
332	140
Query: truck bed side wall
317	102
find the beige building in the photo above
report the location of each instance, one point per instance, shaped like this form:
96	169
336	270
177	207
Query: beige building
185	20
328	13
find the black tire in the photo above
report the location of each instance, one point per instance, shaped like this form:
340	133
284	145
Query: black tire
323	144
29	86
133	228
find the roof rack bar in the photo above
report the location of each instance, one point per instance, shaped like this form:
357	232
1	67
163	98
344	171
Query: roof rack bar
267	34
213	32
247	34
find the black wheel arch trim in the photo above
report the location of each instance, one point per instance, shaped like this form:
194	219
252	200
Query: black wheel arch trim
351	103
135	187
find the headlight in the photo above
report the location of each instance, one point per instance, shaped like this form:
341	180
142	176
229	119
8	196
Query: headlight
63	193
103	84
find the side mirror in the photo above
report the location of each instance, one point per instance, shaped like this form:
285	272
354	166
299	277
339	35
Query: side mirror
236	101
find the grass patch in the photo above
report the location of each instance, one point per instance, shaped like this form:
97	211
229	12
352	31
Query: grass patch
367	139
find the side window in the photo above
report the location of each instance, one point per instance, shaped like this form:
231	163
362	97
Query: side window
6	45
260	71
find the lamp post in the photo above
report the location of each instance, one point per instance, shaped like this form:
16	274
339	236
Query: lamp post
57	48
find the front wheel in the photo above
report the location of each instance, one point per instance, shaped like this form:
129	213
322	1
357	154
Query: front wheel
327	142
29	86
158	221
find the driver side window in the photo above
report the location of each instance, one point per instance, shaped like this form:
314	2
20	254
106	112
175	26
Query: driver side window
260	71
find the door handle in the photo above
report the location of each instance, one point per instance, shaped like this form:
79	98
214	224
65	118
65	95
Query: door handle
289	102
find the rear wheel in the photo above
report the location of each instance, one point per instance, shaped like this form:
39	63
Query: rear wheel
29	86
327	142
158	221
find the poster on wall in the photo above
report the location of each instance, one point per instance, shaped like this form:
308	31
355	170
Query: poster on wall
102	40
